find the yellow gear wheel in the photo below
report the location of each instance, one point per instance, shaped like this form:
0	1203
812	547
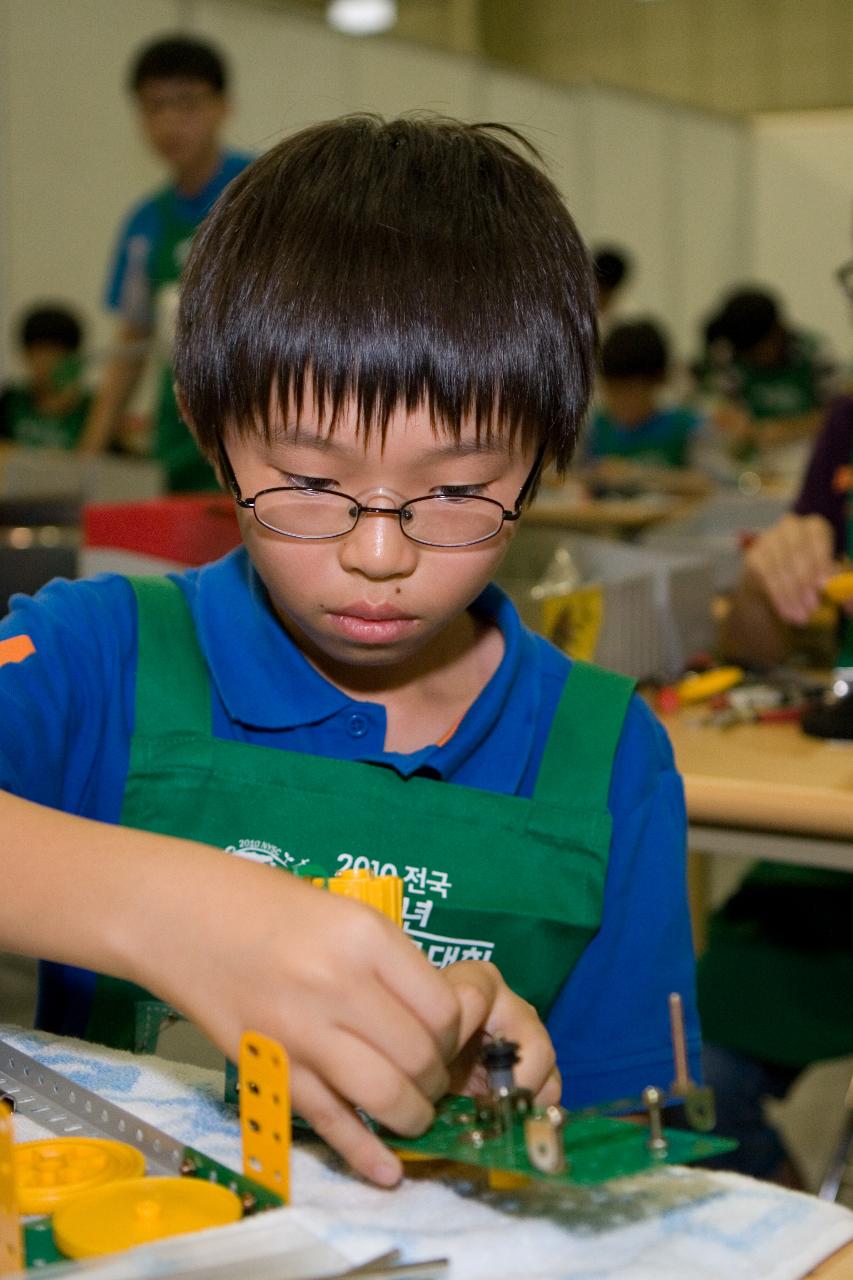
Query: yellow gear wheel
52	1170
125	1214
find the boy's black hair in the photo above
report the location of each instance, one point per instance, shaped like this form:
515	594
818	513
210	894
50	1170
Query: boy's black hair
408	262
53	324
179	58
748	316
611	266
636	349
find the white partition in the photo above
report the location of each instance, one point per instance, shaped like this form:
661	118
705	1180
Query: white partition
671	184
804	215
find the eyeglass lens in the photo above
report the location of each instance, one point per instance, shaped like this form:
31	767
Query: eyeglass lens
438	521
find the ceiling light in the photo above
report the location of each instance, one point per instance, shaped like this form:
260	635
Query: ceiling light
361	17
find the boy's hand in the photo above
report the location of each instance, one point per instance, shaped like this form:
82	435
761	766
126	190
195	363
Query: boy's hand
488	1008
790	563
366	1021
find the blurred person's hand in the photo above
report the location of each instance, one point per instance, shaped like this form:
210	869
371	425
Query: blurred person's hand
790	563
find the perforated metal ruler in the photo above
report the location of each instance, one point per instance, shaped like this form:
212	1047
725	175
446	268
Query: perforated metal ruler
69	1110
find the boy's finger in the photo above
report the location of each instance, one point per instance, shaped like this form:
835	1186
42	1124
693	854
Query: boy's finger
337	1124
551	1091
475	1003
413	980
397	1035
355	1071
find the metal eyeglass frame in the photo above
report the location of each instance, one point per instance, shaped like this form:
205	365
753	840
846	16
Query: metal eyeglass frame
249	505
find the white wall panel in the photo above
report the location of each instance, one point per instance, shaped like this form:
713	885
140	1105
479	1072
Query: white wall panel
804	215
392	77
287	73
552	118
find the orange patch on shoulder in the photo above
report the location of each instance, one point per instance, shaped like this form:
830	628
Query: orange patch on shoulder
15	649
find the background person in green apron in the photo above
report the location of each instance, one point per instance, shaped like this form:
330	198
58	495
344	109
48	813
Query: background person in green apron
180	88
48	408
386	330
775	982
772	381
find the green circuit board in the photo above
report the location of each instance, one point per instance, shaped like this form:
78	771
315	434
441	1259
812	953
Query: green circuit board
596	1147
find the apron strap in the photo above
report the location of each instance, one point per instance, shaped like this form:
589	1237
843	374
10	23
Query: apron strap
172	683
586	731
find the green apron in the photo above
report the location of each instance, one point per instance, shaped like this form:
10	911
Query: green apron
784	392
174	445
776	981
514	880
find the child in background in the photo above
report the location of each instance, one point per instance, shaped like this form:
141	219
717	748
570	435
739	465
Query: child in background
632	422
386	330
180	88
48	409
613	269
771	382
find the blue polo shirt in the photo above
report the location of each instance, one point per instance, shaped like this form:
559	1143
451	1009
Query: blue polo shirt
66	720
128	289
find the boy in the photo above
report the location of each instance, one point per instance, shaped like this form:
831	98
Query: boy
385	331
631	422
49	408
181	90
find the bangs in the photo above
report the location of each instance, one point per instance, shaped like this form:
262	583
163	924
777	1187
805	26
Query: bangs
416	263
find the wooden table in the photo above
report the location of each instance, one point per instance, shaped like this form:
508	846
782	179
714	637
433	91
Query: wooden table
613	516
765	791
838	1267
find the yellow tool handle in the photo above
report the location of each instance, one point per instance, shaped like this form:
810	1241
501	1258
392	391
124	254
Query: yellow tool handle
708	684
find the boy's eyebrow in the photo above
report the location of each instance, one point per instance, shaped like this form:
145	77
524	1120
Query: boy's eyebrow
326	443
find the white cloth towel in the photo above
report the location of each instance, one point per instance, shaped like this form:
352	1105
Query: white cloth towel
674	1224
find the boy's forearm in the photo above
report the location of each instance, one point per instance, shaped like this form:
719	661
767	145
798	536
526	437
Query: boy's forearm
118	382
114	915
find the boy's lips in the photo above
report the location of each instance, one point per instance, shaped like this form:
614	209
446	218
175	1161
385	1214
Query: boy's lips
377	624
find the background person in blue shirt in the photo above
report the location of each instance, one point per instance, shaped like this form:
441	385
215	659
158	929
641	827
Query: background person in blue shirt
386	330
631	421
180	86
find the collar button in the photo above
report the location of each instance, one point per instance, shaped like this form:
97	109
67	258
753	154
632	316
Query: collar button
357	726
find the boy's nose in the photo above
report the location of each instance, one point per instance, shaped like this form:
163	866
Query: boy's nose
377	546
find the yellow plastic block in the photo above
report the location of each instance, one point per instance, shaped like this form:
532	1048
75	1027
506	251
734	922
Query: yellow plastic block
54	1170
385	893
265	1112
123	1214
11	1247
839	588
573	621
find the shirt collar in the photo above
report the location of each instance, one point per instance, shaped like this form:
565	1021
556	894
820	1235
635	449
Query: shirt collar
279	688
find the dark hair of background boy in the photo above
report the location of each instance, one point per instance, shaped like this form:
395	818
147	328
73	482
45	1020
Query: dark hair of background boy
179	58
50	324
414	261
746	319
636	349
611	268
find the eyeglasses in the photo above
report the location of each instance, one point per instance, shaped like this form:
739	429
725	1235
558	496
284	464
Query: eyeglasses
844	276
437	520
